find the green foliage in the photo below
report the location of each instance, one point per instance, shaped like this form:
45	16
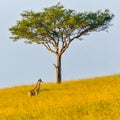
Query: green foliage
56	24
91	99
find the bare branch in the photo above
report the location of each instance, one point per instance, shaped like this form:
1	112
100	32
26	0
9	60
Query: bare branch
49	48
64	47
55	66
81	33
66	44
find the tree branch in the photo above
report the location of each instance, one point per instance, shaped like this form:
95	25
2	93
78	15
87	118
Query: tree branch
66	44
81	33
49	48
64	48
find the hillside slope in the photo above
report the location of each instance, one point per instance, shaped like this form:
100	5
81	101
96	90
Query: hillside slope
91	99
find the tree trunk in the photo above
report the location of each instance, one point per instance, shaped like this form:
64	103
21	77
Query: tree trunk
58	69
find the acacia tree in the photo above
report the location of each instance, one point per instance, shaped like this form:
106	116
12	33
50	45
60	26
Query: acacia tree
56	28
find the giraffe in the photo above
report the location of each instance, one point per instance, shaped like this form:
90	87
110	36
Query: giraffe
36	89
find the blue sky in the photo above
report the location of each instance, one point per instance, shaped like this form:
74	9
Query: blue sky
98	54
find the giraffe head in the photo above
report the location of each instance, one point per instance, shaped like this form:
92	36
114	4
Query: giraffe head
40	81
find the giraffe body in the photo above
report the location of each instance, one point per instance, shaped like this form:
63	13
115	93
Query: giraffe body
36	89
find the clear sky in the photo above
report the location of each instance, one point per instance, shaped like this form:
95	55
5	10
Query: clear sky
98	54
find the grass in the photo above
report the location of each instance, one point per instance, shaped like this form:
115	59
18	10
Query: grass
91	99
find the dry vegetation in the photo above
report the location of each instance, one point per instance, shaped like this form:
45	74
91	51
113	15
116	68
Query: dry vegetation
92	99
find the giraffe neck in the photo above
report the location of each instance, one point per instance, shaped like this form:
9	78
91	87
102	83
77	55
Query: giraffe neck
37	87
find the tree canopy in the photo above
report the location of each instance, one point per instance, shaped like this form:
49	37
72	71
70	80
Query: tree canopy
56	27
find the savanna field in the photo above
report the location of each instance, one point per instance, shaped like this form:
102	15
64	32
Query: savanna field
90	99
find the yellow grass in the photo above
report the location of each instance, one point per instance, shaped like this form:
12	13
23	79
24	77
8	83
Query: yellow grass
92	99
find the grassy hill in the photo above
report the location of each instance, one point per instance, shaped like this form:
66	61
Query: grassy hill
91	99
